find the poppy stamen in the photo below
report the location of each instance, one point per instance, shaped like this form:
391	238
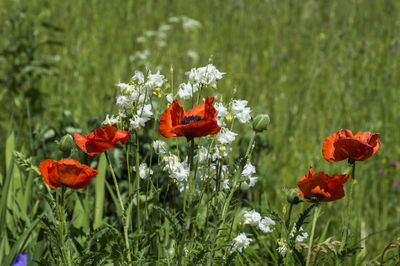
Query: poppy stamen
190	118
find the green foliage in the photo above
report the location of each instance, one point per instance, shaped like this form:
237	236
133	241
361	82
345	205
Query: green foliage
313	66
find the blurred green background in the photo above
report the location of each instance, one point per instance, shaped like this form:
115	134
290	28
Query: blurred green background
313	66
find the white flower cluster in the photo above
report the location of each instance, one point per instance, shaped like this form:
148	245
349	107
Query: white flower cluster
134	102
206	75
249	180
253	218
240	242
176	169
159	38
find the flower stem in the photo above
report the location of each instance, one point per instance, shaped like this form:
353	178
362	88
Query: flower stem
122	205
237	175
191	185
289	215
115	181
316	214
137	183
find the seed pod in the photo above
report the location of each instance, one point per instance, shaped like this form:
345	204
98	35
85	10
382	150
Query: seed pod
293	196
261	122
66	144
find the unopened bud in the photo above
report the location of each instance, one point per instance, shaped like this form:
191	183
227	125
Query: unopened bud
261	122
229	117
66	145
293	196
221	148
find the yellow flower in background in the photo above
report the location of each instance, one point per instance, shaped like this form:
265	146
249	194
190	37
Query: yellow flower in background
322	35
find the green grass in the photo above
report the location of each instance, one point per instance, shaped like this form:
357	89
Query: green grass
313	66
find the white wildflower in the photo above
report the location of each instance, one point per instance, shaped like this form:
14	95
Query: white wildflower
300	237
144	171
202	154
124	102
252	217
141	55
165	27
137	122
145	112
160	147
155	80
190	24
242	113
109	121
222	112
193	55
141	39
265	224
249	182
177	170
210	74
186	90
139	77
221	152
248	170
150	33
169	97
225	136
240	242
125	88
282	249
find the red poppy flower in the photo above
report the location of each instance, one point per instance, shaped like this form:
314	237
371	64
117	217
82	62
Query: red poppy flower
101	139
343	144
66	172
321	186
197	122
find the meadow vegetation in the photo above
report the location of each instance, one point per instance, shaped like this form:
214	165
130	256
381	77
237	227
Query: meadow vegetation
313	66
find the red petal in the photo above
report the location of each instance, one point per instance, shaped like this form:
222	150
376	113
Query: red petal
328	149
197	129
122	136
171	117
88	146
47	169
75	175
354	149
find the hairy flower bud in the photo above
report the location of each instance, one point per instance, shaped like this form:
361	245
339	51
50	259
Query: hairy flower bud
261	122
293	196
66	144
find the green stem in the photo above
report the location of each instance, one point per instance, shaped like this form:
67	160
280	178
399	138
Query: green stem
115	181
137	184
191	185
129	171
289	215
122	205
237	175
316	214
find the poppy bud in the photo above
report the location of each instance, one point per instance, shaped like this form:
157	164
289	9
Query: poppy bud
293	196
66	144
261	122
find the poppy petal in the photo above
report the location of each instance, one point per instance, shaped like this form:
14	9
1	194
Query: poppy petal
353	148
122	136
197	129
328	149
86	145
47	170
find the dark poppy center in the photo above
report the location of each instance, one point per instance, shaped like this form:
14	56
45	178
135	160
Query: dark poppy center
190	118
